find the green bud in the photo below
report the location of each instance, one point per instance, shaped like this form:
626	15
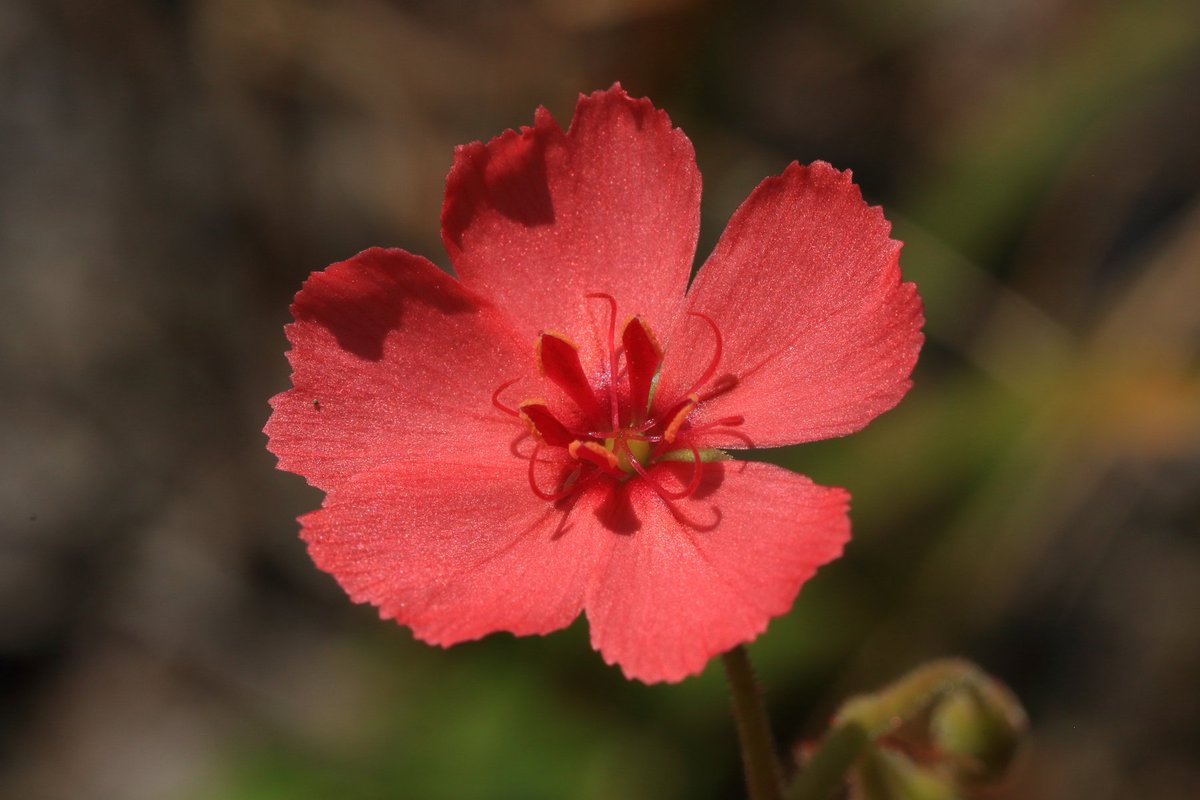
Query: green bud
887	774
979	728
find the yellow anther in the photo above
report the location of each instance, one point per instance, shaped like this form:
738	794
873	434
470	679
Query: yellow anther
594	452
680	417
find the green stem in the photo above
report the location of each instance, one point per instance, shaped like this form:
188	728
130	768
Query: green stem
826	770
764	778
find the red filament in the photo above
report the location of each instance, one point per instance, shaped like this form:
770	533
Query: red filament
612	354
496	399
717	351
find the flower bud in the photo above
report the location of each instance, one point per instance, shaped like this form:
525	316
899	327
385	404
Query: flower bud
887	774
979	728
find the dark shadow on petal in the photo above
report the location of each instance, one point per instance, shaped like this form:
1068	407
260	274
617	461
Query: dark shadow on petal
508	175
712	475
698	525
564	522
711	478
360	301
617	513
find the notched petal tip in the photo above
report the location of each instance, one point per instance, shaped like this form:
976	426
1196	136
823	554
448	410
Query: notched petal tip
531	216
822	174
356	299
509	172
641	109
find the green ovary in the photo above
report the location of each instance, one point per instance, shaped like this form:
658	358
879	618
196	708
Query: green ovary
639	448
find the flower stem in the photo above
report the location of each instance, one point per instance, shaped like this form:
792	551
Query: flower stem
763	776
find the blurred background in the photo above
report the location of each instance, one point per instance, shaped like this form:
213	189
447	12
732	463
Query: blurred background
171	171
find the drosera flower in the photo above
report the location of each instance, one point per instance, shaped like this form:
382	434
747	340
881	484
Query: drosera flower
546	433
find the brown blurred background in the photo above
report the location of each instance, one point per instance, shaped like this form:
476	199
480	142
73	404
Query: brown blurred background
171	171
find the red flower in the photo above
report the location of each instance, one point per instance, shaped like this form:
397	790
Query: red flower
543	435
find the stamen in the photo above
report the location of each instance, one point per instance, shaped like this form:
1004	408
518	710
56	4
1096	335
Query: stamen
716	359
636	432
565	489
544	424
612	353
643	355
686	407
558	360
596	454
623	449
496	399
723	422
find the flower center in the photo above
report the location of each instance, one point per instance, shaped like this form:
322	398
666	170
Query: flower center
630	449
622	430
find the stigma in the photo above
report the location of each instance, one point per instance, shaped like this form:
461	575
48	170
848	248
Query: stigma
626	430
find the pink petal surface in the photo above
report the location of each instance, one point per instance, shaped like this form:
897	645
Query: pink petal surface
536	219
460	550
820	332
401	361
799	329
689	584
456	549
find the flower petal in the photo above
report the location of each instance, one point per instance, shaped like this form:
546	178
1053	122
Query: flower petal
819	331
392	359
686	584
455	550
536	219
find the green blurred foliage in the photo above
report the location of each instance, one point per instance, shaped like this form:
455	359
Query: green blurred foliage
1031	504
